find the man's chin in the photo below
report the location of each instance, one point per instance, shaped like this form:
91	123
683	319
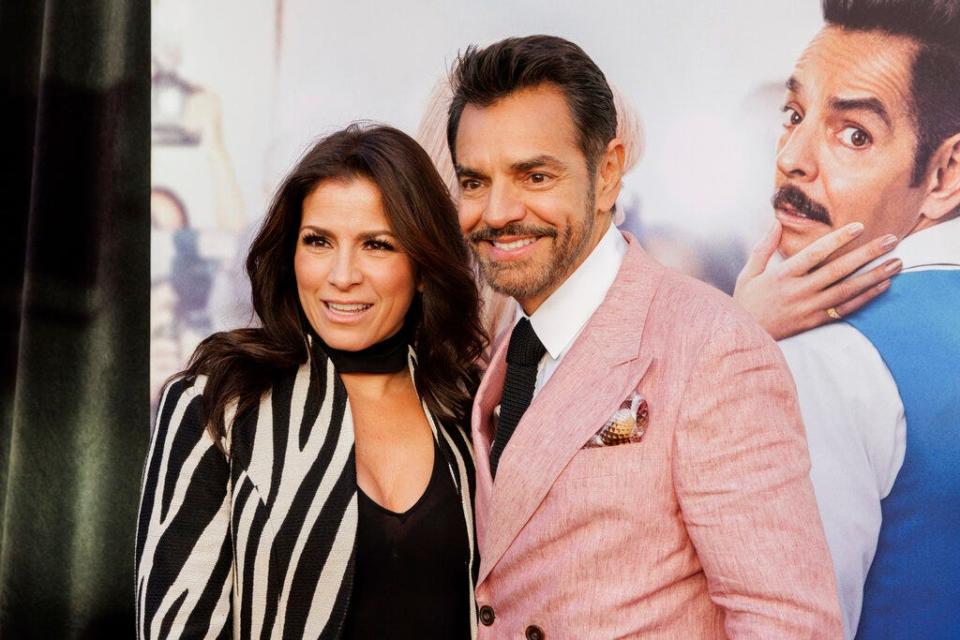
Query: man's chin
514	281
793	242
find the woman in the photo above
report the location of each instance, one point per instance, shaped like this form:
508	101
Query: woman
312	477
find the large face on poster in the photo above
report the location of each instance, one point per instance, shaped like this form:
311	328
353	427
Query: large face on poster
847	152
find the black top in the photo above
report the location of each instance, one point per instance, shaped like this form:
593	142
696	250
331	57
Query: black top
412	568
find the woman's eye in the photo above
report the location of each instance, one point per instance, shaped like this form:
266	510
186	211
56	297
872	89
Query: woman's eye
379	245
855	137
792	117
315	240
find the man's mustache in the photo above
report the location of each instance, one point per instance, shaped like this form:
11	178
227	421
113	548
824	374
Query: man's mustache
487	234
793	197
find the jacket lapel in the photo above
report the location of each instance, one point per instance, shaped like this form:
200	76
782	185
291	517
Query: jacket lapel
488	396
603	365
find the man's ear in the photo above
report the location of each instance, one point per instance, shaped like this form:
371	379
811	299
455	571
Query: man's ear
943	194
609	174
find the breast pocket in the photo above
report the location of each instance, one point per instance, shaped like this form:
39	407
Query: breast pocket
619	461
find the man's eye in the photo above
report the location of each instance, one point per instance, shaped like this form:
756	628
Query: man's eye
538	178
792	117
855	137
468	184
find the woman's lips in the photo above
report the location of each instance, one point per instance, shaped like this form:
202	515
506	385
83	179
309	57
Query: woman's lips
345	312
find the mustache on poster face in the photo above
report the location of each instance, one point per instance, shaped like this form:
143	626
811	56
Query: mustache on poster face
488	234
792	197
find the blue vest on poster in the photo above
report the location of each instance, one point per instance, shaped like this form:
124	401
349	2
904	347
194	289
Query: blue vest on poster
913	586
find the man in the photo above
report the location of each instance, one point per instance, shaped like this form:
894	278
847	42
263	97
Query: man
872	136
657	485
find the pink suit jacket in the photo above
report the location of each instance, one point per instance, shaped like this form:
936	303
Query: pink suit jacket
707	528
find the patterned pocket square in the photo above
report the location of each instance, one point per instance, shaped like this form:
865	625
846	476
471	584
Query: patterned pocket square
627	424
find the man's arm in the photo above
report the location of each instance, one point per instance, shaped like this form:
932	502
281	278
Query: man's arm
741	471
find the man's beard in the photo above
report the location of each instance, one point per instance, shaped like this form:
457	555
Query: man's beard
530	280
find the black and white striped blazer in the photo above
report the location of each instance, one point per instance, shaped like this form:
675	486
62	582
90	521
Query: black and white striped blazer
261	543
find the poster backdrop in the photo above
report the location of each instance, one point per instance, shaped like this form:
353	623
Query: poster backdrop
241	89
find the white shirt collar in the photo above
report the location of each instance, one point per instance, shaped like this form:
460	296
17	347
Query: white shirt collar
935	246
561	316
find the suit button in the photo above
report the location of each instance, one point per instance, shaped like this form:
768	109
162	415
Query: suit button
487	615
535	633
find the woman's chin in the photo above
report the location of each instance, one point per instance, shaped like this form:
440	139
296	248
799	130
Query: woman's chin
345	341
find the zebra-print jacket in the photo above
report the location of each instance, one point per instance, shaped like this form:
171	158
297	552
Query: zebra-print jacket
260	543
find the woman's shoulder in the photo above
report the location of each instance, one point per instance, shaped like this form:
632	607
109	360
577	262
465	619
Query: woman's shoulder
181	412
178	394
185	409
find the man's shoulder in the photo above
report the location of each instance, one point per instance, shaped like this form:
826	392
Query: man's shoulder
692	306
831	344
835	363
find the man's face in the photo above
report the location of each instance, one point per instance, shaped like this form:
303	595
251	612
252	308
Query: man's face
847	150
527	207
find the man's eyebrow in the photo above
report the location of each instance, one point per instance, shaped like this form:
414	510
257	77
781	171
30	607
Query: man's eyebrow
862	104
793	85
467	172
544	160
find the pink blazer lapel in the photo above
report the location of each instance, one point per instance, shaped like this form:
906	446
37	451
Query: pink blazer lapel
488	396
601	368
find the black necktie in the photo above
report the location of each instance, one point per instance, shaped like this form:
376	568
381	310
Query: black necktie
523	356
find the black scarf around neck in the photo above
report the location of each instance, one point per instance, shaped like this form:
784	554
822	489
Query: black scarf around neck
387	356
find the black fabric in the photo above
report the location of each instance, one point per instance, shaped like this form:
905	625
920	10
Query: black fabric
387	356
411	572
523	355
74	312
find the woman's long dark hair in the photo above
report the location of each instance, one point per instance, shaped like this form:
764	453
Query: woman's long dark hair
240	365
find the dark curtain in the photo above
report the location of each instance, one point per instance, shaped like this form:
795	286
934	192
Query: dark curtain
74	267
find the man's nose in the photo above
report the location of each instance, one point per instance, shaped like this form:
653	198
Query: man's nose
797	157
505	205
345	271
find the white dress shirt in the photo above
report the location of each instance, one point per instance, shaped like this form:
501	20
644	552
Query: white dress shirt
561	317
855	423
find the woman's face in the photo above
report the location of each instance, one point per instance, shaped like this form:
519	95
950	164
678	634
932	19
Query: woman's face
354	280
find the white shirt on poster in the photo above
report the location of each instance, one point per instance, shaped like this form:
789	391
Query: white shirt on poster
855	423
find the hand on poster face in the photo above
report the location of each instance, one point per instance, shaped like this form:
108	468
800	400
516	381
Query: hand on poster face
801	292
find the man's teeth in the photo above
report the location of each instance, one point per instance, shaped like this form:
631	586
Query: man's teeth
516	244
348	308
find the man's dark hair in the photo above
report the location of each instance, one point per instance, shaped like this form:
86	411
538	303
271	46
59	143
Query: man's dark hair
483	76
934	25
